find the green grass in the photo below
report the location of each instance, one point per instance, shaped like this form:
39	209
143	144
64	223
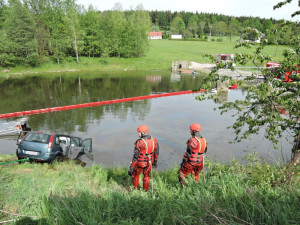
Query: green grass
159	57
67	193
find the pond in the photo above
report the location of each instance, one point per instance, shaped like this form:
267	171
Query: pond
113	127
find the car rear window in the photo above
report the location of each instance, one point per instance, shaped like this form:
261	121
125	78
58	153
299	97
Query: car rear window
38	137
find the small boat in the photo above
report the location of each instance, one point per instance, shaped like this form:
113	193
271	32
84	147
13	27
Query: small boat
14	127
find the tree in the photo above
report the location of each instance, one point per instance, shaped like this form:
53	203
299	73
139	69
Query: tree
3	8
134	39
265	101
267	25
193	25
111	33
56	26
90	22
207	28
201	29
73	26
20	28
177	26
162	20
39	10
233	27
220	28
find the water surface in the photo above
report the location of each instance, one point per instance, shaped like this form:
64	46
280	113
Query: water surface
113	127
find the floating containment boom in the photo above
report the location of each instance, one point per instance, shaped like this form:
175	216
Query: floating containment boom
92	104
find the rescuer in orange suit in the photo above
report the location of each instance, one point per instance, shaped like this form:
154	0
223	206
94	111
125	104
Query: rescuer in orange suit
193	159
145	157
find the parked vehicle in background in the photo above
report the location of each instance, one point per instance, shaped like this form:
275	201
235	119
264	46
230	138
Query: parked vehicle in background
285	76
45	147
225	58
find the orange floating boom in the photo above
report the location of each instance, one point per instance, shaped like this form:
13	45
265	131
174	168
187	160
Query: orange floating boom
92	104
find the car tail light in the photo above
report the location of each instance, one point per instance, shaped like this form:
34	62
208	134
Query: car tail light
50	145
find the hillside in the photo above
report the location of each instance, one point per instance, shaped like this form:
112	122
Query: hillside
68	193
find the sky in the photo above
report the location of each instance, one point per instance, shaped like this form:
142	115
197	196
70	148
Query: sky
254	8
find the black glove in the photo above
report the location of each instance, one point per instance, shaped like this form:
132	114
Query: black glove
130	171
154	164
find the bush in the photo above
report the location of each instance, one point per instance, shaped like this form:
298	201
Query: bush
7	60
32	59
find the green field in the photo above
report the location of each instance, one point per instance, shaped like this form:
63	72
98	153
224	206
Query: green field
67	193
159	57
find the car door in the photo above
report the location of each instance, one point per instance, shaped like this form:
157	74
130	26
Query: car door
88	148
75	148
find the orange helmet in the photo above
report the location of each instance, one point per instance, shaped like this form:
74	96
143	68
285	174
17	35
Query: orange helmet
143	129
195	127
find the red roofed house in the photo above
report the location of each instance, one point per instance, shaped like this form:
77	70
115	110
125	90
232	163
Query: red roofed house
155	35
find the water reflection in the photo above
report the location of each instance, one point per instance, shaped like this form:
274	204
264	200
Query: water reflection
113	127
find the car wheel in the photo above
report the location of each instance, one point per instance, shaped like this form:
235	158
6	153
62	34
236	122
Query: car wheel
59	158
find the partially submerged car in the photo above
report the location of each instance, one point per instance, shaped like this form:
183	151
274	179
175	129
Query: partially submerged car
45	147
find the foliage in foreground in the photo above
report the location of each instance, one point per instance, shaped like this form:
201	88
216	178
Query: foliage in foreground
273	103
67	193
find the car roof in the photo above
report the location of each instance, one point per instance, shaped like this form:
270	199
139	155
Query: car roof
60	135
41	132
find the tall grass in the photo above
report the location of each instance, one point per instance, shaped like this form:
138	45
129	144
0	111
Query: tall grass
67	193
160	56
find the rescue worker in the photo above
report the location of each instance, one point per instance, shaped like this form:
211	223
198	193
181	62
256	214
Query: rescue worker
193	159
145	156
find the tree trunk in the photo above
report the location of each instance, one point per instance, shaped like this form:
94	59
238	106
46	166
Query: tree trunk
75	46
57	57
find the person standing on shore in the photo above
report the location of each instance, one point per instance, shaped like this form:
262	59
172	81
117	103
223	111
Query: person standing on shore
145	157
193	159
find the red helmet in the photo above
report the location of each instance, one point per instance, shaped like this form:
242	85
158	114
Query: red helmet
195	127
143	129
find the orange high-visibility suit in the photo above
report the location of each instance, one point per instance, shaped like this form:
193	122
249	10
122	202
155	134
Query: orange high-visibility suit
144	157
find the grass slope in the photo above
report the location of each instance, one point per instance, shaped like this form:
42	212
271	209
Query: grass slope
67	193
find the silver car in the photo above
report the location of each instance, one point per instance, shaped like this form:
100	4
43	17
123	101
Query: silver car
45	147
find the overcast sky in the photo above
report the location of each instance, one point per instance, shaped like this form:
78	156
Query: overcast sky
260	8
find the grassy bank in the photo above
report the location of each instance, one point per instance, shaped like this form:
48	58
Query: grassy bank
67	193
160	56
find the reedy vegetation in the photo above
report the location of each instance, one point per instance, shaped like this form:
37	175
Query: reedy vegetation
66	193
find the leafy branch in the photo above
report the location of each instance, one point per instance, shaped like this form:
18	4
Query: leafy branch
272	104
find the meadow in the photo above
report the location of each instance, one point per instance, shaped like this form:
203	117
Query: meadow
67	193
159	56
